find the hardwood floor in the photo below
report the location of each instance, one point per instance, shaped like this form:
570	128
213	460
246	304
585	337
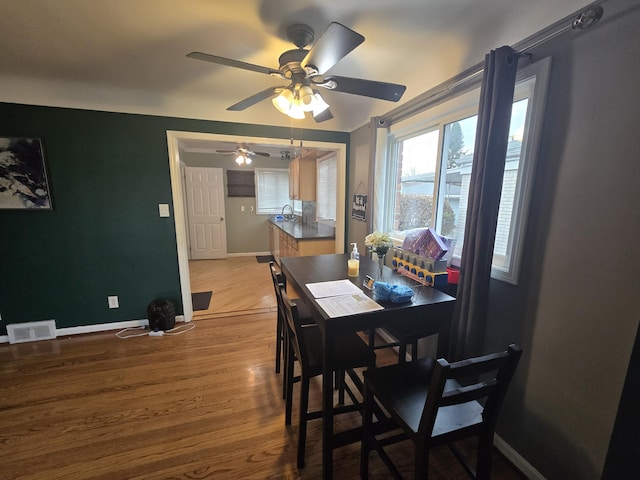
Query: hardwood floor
205	404
229	280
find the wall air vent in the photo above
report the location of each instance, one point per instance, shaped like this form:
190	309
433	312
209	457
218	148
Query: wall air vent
31	331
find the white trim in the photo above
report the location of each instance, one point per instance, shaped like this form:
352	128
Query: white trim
100	327
518	460
248	254
180	222
538	71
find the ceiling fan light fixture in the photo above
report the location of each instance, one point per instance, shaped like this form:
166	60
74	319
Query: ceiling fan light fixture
283	101
295	103
319	104
240	159
296	112
306	98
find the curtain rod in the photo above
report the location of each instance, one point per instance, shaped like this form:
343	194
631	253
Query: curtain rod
585	19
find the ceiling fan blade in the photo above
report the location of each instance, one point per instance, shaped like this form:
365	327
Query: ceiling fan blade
367	88
253	99
261	154
333	45
225	151
234	63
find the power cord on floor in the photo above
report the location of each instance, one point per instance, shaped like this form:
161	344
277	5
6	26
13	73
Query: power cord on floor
124	333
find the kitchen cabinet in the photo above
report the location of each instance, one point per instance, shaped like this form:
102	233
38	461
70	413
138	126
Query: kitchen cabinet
293	239
291	247
274	242
302	177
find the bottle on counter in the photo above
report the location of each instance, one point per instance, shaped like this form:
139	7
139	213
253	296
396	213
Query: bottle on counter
353	264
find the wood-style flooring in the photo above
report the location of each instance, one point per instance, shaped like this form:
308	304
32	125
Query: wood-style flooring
204	404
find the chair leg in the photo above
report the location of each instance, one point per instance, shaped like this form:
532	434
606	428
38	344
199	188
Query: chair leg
340	385
414	350
421	462
286	346
302	427
402	352
278	340
483	464
367	418
288	380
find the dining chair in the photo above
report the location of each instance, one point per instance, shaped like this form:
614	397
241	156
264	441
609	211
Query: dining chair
278	278
401	337
305	340
404	335
433	403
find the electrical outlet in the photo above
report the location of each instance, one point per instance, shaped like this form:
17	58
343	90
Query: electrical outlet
112	300
242	208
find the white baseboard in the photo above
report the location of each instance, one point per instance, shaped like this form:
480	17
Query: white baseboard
518	460
248	254
100	327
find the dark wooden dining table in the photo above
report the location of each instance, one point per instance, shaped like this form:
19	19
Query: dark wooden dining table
427	305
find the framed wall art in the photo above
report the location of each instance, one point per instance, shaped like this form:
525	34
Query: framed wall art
23	174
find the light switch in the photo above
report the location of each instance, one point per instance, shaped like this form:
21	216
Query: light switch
163	208
242	208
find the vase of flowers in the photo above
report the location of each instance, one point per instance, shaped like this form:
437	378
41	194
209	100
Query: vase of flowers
379	243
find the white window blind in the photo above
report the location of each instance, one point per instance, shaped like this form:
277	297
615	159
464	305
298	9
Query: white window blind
327	179
272	189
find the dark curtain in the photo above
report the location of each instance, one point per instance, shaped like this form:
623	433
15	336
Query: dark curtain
494	116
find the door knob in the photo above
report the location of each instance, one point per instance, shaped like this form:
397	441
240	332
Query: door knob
222	219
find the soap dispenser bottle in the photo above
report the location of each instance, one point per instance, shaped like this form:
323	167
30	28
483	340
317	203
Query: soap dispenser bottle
353	264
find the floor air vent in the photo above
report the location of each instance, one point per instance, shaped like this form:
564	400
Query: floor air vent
31	331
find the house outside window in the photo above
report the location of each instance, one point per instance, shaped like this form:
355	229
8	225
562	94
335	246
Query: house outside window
431	158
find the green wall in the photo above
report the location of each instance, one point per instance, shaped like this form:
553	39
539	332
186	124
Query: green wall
107	174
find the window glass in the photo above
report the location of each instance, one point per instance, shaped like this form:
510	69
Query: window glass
430	171
327	179
272	190
416	167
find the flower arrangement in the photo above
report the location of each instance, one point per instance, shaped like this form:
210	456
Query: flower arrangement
378	243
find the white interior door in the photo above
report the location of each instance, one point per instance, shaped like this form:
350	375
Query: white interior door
205	213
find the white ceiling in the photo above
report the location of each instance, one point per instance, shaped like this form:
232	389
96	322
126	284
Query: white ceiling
129	55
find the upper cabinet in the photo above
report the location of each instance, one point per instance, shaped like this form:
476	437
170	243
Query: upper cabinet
302	177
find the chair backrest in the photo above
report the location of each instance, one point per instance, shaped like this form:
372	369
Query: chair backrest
482	381
276	276
294	326
278	280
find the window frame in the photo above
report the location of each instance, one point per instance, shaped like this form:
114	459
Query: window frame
458	108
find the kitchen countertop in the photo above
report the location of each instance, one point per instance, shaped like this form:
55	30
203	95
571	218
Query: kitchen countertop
304	231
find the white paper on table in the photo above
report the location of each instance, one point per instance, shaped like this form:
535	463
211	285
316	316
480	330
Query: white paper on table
332	288
343	305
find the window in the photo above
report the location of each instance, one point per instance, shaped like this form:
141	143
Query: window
272	190
431	156
327	179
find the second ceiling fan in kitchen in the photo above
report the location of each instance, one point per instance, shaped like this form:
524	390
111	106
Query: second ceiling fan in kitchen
244	155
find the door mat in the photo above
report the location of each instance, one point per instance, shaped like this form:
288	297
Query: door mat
200	300
264	258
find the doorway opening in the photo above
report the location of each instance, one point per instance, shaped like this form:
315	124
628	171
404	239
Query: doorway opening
174	141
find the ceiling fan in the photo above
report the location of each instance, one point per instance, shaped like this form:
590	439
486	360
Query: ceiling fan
244	155
305	70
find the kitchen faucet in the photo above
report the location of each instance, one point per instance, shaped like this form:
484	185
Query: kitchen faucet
287	216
